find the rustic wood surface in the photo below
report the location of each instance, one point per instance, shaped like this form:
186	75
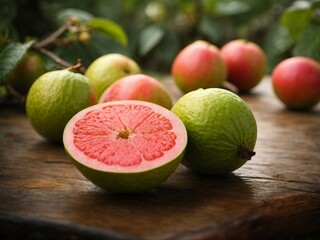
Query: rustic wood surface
274	195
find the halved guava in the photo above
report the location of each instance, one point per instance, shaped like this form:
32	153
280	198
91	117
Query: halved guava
125	146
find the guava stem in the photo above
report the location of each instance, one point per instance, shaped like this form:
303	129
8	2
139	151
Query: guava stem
78	67
245	153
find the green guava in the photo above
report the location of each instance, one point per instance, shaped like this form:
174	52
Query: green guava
222	130
108	68
54	98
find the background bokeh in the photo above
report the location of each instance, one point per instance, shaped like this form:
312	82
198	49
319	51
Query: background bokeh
157	29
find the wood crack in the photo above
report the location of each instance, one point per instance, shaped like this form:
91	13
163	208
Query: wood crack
278	180
301	190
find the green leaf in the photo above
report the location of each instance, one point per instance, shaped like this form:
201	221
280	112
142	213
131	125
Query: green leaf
7	11
232	8
297	18
64	14
211	27
10	56
277	45
309	43
149	38
168	47
277	41
315	4
109	29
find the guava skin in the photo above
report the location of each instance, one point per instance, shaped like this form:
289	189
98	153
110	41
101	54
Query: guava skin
199	65
138	87
246	63
127	183
222	130
54	98
122	176
107	69
296	82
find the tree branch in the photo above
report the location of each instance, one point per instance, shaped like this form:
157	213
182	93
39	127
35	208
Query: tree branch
53	56
51	38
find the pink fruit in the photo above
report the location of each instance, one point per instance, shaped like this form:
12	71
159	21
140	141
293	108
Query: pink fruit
246	63
296	82
198	65
125	146
138	87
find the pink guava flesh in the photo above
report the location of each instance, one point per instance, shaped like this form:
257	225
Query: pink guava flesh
125	136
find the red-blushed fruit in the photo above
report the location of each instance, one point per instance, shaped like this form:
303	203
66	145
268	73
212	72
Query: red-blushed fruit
246	63
199	65
138	87
125	146
296	82
28	70
108	68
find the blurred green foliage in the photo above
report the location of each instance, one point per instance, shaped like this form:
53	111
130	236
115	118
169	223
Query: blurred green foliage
154	31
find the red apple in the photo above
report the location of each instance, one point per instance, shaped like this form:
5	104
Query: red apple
246	63
198	65
296	82
138	87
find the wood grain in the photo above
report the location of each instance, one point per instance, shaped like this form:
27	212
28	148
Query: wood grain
274	195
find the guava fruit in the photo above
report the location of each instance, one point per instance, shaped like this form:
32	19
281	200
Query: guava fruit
296	82
126	146
221	128
54	98
246	63
198	65
108	68
28	70
138	87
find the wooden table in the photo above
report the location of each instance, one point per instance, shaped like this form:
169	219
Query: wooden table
275	195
